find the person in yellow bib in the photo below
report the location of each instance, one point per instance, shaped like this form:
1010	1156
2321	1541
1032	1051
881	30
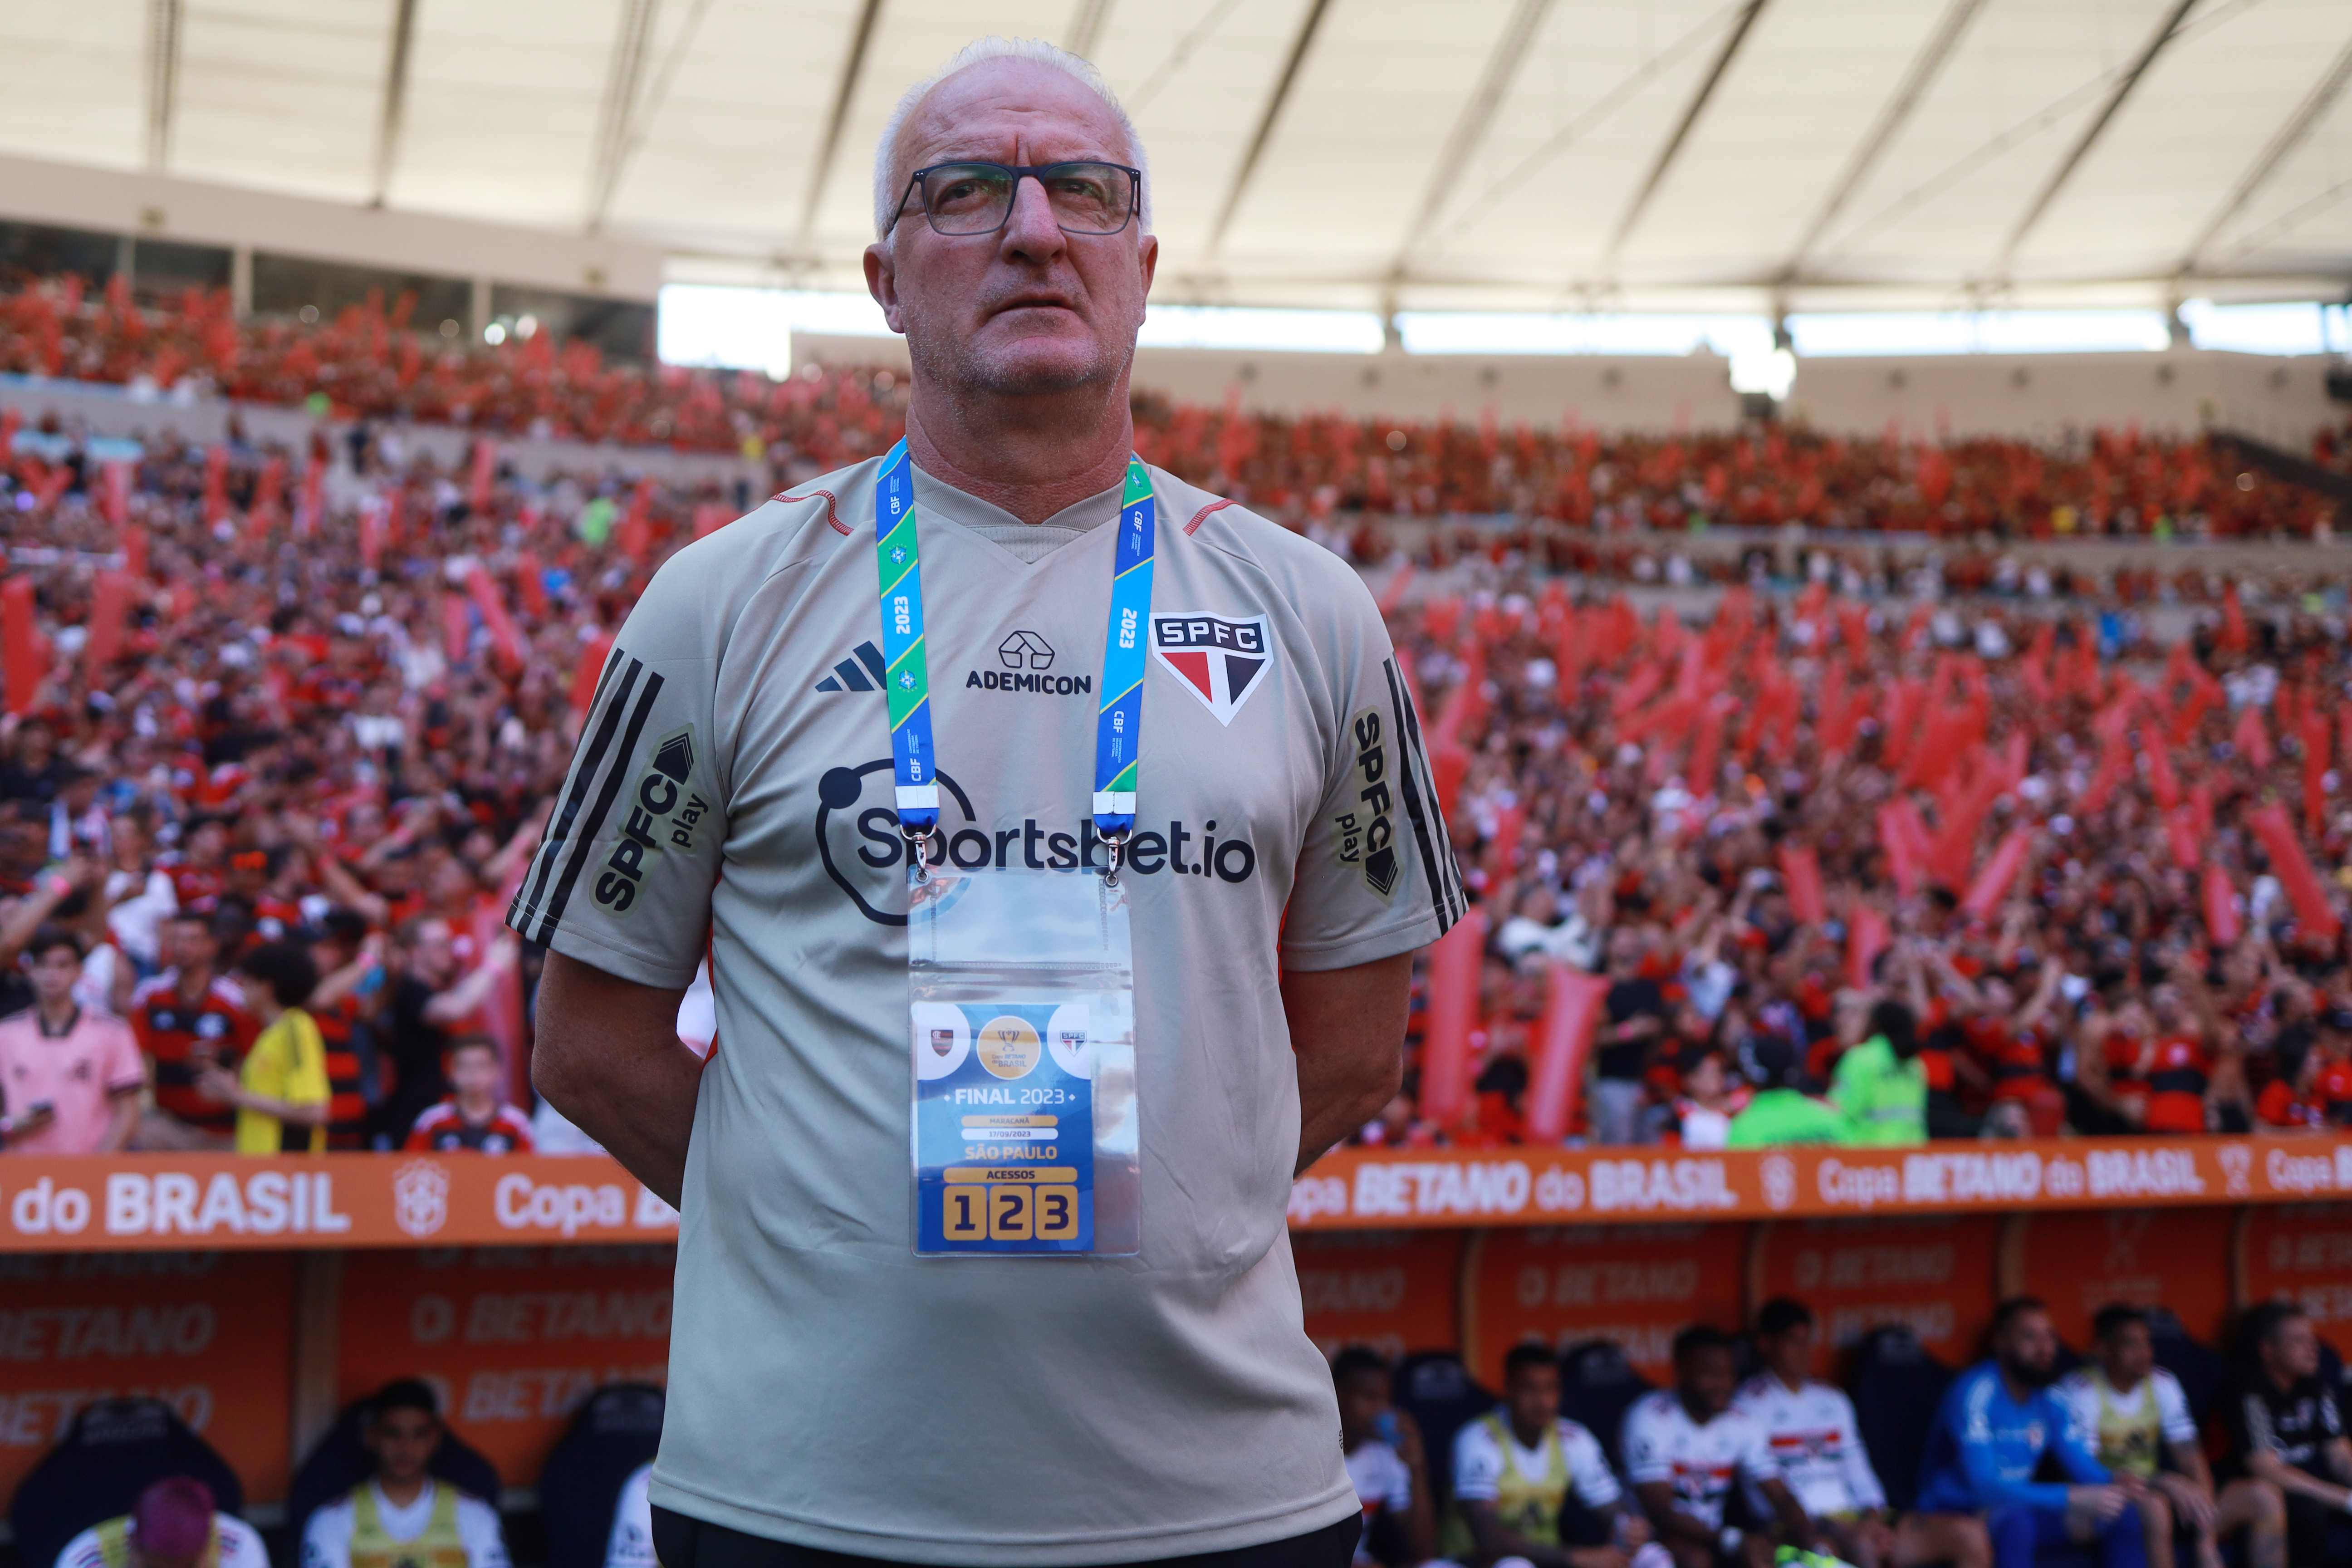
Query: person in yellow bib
281	1093
171	1526
402	1518
2135	1417
1515	1471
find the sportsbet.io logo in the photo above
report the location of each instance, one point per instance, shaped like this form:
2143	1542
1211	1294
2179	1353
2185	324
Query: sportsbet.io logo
663	811
858	842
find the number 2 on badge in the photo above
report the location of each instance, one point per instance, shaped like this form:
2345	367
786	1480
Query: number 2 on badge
1008	1213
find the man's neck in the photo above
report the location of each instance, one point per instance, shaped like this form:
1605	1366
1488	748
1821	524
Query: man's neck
1030	456
1525	1439
1793	1384
195	981
400	1494
2019	1390
477	1111
58	1016
2118	1384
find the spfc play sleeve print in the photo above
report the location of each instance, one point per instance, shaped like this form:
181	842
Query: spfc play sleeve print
1376	876
622	877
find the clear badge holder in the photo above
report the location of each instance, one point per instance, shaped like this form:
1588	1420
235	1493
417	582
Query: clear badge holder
1022	988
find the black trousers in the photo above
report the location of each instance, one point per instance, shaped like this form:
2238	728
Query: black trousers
683	1542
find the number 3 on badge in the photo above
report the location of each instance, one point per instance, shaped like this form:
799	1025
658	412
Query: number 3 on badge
1057	1214
1009	1214
966	1216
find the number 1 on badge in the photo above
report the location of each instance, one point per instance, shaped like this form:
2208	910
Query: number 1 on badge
966	1217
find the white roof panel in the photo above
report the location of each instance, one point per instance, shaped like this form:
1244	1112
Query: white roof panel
1478	155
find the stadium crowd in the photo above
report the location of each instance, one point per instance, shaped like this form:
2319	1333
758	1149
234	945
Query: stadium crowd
1970	853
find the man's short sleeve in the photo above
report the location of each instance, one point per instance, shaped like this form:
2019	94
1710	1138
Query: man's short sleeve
2172	1408
1588	1468
622	880
119	1062
1756	1458
1649	1451
1477	1464
1376	876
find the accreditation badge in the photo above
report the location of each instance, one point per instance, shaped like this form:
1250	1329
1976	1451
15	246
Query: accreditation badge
1022	1015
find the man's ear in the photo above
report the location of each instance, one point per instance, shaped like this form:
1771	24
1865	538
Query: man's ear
882	282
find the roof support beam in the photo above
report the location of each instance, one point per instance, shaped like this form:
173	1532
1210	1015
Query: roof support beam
395	100
844	92
2308	113
1307	26
617	119
2091	134
1510	52
163	79
1926	66
1683	128
1087	27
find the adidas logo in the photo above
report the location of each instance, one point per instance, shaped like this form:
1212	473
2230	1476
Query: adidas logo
863	673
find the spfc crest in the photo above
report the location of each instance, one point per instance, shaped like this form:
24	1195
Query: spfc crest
1220	659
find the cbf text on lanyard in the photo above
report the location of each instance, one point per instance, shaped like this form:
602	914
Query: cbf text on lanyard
1118	727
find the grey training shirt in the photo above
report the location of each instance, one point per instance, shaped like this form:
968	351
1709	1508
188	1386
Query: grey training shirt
733	786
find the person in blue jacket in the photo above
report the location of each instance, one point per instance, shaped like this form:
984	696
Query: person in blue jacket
1996	1423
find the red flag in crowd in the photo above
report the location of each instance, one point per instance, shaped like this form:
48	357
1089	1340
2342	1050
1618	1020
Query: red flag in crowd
20	647
1572	1008
2292	868
1454	961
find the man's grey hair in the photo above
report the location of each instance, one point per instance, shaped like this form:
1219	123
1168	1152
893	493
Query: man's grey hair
887	186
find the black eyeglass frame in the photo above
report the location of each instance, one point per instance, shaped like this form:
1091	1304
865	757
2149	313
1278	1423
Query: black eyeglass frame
1019	172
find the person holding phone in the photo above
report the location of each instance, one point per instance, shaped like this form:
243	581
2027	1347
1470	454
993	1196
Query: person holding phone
70	1076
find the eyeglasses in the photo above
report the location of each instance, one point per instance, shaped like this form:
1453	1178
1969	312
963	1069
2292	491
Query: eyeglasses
977	199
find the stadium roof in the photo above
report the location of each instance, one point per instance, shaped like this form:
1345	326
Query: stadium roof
1492	154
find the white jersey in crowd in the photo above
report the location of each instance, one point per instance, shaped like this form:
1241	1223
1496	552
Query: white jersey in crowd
1381	1479
632	1542
1814	1440
2079	1397
1478	1461
327	1538
1662	1443
731	794
240	1547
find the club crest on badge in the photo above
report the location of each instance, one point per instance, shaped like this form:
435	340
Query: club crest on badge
1220	659
942	1041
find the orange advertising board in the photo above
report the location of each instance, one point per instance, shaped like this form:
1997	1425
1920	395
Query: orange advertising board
162	1201
513	1339
1395	1290
209	1333
136	1202
1395	1188
2301	1253
1935	1275
1635	1285
2079	1263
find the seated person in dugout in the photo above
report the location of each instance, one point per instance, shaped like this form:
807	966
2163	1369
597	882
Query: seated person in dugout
1811	1427
402	1517
1685	1446
172	1525
1516	1470
2132	1414
1997	1424
2286	1429
1385	1462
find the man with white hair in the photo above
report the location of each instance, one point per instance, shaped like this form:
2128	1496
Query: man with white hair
1009	667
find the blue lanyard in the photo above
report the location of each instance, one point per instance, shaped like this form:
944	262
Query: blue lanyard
1119	726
